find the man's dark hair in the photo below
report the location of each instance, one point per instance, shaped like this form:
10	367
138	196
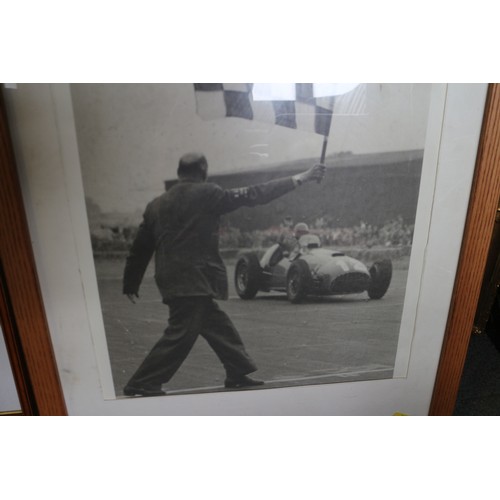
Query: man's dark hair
192	165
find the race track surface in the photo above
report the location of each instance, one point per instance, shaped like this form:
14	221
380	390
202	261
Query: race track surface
323	340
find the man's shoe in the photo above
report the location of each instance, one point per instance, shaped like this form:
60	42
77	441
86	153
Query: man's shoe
241	382
130	390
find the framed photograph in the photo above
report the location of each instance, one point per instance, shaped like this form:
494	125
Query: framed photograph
383	225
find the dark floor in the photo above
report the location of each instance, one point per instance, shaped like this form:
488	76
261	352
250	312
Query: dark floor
479	392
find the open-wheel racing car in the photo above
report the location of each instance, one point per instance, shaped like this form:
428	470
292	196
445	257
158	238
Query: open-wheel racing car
309	270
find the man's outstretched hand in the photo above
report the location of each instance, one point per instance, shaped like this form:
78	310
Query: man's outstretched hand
315	173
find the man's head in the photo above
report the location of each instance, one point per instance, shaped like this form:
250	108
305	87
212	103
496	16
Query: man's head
193	166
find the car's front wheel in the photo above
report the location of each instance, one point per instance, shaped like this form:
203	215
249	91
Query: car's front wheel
247	276
381	275
298	281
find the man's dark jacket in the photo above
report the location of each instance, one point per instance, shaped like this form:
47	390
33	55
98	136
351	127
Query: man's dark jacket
182	228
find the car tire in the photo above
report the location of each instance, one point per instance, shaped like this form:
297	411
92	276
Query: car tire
298	281
247	276
381	275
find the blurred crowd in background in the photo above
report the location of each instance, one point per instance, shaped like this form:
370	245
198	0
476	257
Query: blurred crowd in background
394	233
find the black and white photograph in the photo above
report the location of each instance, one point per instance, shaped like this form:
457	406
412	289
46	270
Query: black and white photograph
250	236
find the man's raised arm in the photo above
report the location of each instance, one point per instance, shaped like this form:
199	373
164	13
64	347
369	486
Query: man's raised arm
260	194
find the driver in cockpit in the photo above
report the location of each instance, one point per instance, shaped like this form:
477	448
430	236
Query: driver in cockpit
290	243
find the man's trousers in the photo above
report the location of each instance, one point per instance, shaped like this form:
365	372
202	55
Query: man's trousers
190	317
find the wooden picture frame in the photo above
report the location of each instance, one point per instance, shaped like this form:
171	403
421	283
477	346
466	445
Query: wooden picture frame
25	325
22	311
473	256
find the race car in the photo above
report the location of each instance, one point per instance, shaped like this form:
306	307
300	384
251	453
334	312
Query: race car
309	270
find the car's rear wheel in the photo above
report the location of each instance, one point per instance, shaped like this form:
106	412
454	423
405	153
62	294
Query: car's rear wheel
381	275
298	281
247	276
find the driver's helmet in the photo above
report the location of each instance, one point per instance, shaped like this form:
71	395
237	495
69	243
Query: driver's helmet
300	229
309	241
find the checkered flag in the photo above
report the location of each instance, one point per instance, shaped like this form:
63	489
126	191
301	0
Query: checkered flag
309	107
